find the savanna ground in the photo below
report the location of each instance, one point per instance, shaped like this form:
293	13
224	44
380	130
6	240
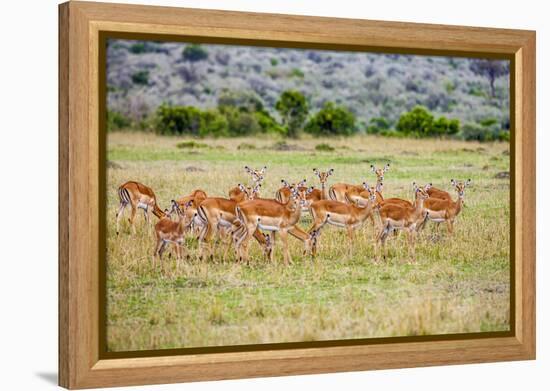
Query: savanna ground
459	284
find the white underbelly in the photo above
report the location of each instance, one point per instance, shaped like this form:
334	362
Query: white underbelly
268	227
225	223
436	219
142	205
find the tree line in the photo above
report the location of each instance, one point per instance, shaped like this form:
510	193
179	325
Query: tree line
242	114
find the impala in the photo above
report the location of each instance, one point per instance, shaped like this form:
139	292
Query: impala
343	215
257	178
338	191
400	217
379	172
269	215
284	194
446	210
217	215
434	192
137	195
168	231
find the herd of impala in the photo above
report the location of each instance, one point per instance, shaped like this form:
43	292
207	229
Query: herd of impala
245	215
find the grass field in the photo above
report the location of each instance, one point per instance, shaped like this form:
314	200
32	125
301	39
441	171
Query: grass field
459	284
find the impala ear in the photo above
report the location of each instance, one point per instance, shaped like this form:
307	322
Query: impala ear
366	186
386	167
310	189
285	183
427	187
247	169
188	203
453	182
316	171
330	171
301	183
468	182
372	168
241	187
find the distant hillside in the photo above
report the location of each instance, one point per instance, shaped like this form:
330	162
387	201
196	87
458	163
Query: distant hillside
142	75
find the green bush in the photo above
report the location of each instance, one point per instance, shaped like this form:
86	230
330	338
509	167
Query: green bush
324	147
141	77
190	145
332	120
117	121
178	120
377	125
293	108
194	52
480	132
213	124
419	122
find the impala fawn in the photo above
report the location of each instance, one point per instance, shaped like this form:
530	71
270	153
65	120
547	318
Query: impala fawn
446	210
343	215
401	217
168	231
137	195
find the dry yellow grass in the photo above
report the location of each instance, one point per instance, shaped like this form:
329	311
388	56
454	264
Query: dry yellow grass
460	283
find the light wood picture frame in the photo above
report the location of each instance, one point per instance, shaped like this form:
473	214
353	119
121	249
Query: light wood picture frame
82	28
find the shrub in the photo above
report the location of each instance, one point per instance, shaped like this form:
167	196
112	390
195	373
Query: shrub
480	132
116	121
246	146
213	124
377	125
194	52
324	147
141	77
419	122
240	122
274	62
297	72
331	120
178	120
190	144
292	106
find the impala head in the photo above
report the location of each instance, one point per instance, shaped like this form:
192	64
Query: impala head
175	208
420	193
299	194
460	186
379	172
302	183
257	175
323	175
250	192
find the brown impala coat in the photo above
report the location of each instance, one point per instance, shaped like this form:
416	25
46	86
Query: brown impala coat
269	215
344	215
137	195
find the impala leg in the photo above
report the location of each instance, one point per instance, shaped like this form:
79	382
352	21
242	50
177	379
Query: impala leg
132	218
157	250
350	236
286	252
450	226
119	215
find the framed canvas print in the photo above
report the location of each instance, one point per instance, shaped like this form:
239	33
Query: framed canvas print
247	195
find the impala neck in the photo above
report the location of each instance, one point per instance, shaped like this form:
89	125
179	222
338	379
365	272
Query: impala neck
458	204
324	191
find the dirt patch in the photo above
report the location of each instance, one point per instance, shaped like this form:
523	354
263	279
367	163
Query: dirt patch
502	175
284	146
113	165
194	169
